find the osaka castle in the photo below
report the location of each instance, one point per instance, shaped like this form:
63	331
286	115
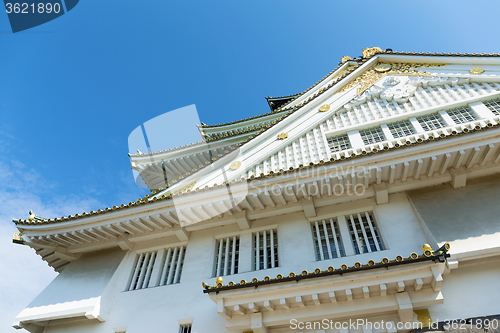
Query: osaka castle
367	203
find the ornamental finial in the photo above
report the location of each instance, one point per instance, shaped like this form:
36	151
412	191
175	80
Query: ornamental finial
345	58
368	52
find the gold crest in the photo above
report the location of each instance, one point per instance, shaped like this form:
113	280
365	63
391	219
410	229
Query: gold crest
346	58
324	107
476	70
235	165
368	52
382	68
282	136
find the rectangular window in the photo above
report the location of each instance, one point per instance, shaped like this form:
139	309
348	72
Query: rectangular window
185	329
401	129
431	122
373	135
265	249
327	240
339	143
364	233
171	266
157	268
494	106
461	115
227	256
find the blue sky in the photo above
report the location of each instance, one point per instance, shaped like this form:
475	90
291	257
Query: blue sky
72	90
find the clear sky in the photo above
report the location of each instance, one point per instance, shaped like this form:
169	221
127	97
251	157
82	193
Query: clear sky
72	90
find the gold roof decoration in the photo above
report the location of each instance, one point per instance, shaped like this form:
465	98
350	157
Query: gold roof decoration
357	266
18	238
146	200
187	188
374	73
345	58
235	165
476	70
282	136
287	112
370	51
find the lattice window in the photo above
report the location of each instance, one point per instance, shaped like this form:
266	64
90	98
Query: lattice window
364	233
171	267
185	329
401	129
372	135
265	249
494	106
157	268
461	115
431	122
339	143
227	256
327	240
143	268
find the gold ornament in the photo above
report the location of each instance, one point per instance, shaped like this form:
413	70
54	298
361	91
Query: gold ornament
368	52
324	107
382	68
371	76
346	58
282	136
219	280
235	165
427	247
476	70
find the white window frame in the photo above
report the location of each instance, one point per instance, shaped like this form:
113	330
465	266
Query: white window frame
493	106
265	237
227	254
186	328
358	239
153	274
246	254
430	120
336	242
372	135
461	115
402	127
340	140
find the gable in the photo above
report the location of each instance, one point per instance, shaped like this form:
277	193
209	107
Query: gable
374	96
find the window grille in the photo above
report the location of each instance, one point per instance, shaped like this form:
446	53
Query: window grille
461	115
143	269
364	233
372	135
169	265
401	129
339	143
431	122
265	249
327	240
185	329
227	256
494	106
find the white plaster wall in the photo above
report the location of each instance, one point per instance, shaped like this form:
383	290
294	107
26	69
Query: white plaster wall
158	309
468	218
471	290
82	279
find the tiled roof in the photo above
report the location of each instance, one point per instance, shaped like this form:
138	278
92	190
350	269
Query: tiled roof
360	61
330	271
